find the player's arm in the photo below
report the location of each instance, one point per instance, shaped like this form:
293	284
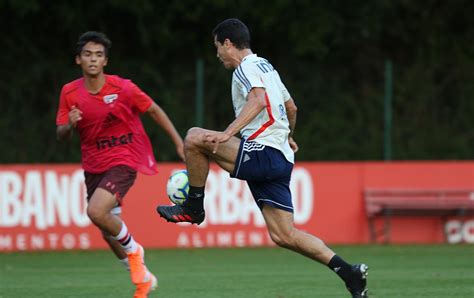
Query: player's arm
291	110
65	131
160	117
255	104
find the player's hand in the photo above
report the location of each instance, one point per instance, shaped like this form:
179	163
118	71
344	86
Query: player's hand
216	137
75	115
293	144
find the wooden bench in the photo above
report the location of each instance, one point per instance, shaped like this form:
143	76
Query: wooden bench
414	202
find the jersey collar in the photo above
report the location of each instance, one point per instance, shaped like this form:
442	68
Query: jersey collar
248	56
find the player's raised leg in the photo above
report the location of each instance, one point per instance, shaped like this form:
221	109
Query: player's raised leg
198	151
283	233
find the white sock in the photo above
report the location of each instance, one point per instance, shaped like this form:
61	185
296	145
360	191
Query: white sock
126	240
125	263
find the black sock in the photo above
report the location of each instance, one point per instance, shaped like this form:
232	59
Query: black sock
343	269
196	197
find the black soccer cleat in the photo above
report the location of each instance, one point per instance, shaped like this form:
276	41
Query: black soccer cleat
181	213
357	286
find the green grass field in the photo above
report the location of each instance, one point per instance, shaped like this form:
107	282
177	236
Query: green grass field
395	271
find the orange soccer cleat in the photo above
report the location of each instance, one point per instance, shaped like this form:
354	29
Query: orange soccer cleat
137	265
149	284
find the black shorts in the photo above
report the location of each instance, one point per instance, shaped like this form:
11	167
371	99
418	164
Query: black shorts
267	173
116	180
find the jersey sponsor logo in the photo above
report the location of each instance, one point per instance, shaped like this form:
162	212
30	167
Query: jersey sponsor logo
113	141
282	110
110	120
108	99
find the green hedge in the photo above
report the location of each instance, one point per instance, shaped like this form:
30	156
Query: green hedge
331	56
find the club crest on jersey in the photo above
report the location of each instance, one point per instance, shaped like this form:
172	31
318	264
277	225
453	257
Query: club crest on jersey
108	99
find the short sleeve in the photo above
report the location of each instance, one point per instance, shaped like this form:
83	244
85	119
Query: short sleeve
139	98
284	91
249	77
62	117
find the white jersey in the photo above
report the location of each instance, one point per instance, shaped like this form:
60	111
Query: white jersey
270	127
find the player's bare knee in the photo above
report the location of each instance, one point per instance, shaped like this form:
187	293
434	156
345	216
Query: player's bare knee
96	215
280	241
193	137
283	238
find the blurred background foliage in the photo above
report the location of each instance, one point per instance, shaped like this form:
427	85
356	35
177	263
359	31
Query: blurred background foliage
330	55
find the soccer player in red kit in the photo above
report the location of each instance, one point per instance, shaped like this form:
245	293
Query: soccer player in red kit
105	111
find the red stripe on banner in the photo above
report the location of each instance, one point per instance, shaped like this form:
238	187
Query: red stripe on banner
55	196
270	121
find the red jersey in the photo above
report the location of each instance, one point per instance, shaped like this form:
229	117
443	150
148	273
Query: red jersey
111	131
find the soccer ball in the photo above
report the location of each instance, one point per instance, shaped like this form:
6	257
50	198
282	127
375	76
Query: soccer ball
177	187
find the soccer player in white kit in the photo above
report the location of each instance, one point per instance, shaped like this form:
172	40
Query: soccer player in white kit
263	155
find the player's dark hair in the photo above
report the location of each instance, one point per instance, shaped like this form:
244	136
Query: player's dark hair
235	30
94	36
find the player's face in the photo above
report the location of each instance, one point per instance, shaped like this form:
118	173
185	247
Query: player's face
92	59
223	53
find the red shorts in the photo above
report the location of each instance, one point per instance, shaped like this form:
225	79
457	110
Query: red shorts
116	180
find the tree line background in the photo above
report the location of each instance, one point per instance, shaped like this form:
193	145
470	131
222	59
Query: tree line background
330	55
